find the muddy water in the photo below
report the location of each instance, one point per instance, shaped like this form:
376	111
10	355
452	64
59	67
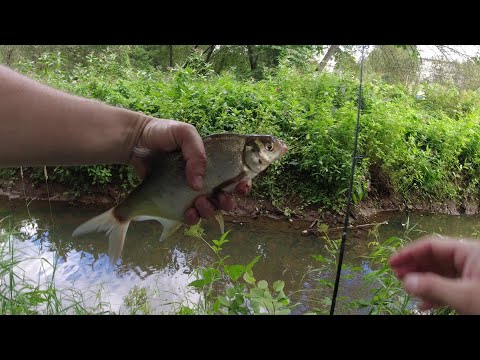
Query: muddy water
166	268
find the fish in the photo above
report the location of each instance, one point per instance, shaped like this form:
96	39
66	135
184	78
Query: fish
164	194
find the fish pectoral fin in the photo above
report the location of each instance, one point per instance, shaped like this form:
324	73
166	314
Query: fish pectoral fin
169	227
221	223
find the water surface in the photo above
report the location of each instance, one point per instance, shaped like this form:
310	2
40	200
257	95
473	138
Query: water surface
166	268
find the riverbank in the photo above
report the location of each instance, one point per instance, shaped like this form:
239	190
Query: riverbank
248	207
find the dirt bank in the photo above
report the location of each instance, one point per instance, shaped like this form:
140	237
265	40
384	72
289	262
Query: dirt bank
252	206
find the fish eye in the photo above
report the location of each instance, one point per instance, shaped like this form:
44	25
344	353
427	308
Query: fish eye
269	147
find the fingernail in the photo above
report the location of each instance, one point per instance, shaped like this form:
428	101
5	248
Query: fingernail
411	283
197	182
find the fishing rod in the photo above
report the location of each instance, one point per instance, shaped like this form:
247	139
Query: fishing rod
349	197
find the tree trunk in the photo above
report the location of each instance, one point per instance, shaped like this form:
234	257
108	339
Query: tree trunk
252	58
191	53
220	66
8	55
331	51
209	52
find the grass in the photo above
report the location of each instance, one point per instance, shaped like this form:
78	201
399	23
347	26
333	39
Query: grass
20	294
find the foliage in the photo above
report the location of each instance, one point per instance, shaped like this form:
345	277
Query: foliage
388	294
398	65
232	288
325	273
414	146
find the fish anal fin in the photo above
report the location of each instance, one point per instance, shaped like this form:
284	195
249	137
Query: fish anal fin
169	226
147	217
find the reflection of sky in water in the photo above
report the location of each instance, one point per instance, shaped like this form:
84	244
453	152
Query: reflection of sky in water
80	271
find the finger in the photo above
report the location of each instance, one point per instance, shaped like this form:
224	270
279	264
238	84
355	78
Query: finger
204	207
168	135
193	150
225	202
243	187
427	305
191	216
426	249
140	168
435	289
404	269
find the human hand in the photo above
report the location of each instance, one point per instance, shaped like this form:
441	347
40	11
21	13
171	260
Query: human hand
441	271
169	135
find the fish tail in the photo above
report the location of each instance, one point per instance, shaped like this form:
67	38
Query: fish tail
114	228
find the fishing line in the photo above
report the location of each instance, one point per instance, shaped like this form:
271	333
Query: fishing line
45	173
25	193
349	197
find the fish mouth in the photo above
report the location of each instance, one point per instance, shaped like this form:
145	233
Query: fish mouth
283	148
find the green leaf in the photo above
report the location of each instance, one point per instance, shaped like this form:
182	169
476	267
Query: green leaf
253	262
230	292
239	300
319	258
257	292
210	275
216	306
248	277
283	312
262	284
284	301
198	283
281	295
223	239
234	271
269	306
278	285
223	300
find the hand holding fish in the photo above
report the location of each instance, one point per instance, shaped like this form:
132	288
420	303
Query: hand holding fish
441	271
44	126
170	135
185	177
166	195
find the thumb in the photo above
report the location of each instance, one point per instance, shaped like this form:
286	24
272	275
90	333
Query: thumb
432	288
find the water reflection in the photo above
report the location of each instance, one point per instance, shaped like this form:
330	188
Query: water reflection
166	268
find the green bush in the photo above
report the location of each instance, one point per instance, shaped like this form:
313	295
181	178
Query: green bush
417	147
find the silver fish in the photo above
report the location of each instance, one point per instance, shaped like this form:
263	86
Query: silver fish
164	194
